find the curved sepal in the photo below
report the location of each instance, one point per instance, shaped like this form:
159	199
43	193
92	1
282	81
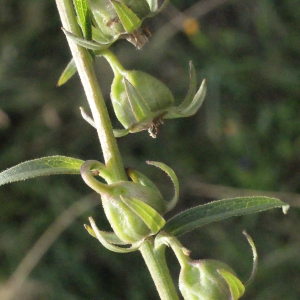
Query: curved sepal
149	215
49	165
89	169
120	132
140	178
111	237
110	246
197	100
169	204
117	132
191	104
255	258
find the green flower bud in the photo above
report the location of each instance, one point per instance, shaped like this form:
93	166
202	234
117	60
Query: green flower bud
141	102
209	279
116	19
134	209
202	279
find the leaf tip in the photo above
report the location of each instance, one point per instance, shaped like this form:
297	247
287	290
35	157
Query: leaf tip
285	208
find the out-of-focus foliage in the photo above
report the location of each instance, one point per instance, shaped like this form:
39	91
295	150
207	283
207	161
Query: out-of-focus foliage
246	136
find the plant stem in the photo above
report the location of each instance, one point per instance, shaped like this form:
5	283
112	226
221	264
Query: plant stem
157	266
93	93
155	260
113	61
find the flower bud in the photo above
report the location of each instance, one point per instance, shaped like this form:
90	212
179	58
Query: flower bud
202	279
121	19
141	102
209	279
135	208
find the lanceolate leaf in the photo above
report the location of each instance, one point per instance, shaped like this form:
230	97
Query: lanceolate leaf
82	11
219	210
68	72
50	165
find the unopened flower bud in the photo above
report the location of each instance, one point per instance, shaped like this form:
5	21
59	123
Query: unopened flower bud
142	102
116	19
134	208
205	279
209	279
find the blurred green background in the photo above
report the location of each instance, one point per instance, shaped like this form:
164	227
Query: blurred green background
246	137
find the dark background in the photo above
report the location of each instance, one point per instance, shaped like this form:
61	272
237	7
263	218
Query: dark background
246	136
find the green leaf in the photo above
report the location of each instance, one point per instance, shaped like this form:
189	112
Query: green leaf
219	210
50	165
82	10
85	43
68	72
128	18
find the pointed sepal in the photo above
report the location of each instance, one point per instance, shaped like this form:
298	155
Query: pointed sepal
193	99
108	245
150	216
128	18
171	203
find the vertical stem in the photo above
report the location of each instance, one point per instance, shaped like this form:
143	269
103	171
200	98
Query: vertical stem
155	260
157	266
93	93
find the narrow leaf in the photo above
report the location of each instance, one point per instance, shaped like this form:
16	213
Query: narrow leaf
68	72
85	43
50	165
219	210
82	11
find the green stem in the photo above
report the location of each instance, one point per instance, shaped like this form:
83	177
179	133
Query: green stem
155	260
93	93
113	61
157	266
